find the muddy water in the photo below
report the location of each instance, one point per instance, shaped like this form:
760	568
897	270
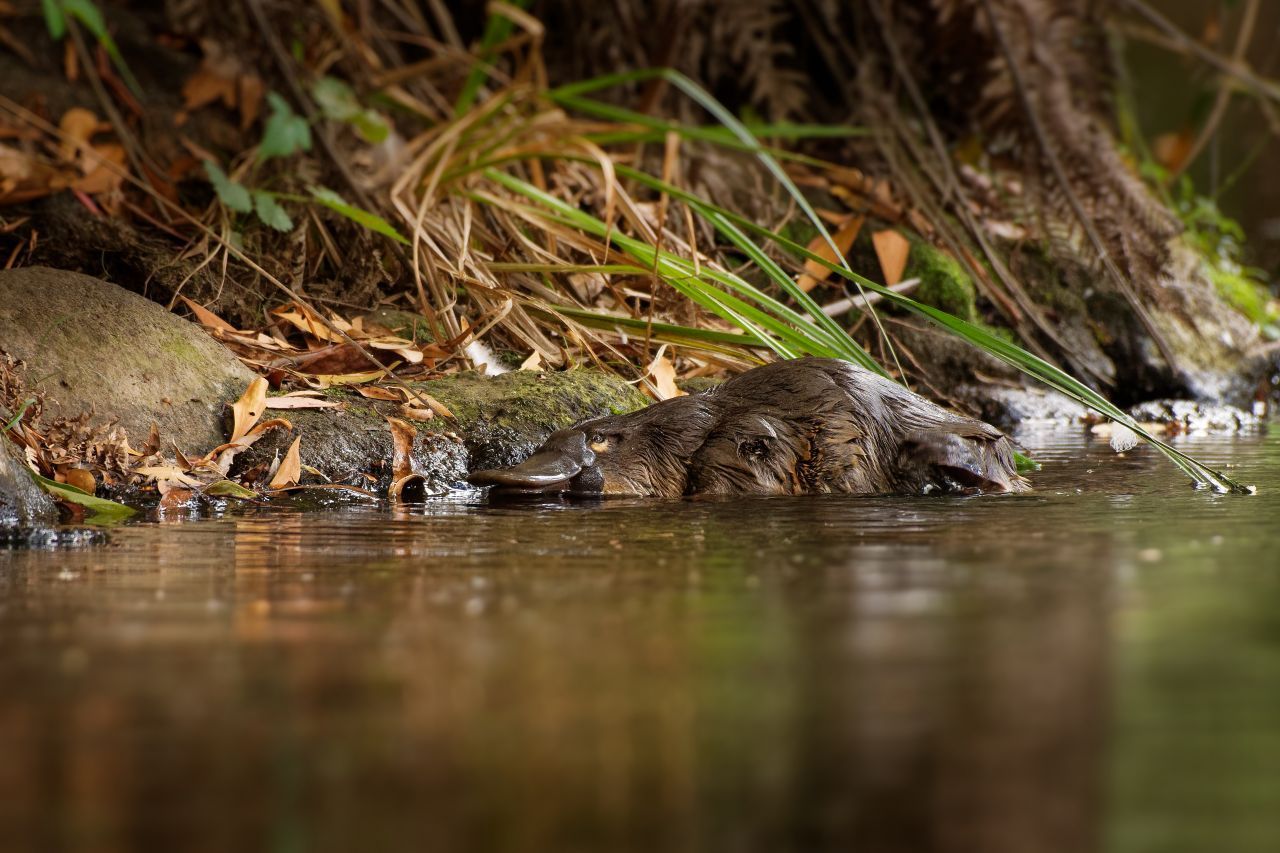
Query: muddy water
1094	666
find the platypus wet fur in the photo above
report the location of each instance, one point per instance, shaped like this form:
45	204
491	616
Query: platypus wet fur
808	426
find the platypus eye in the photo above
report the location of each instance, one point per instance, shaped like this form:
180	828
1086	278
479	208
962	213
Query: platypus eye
599	442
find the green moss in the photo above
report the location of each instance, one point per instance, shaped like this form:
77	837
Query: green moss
943	282
1247	296
799	230
1220	242
526	399
180	350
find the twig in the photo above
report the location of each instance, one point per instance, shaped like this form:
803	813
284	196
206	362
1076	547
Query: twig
840	306
1223	98
1239	70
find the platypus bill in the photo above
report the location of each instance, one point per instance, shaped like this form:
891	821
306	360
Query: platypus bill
808	426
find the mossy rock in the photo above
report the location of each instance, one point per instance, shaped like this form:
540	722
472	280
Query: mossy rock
943	282
499	420
94	346
503	418
1249	297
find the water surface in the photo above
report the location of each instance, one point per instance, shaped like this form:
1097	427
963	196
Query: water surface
1092	666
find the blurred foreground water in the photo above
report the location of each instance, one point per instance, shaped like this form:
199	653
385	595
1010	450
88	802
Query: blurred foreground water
1092	666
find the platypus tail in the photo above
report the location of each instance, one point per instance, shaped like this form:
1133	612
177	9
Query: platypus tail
963	456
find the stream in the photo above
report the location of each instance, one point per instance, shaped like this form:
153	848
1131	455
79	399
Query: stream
1094	665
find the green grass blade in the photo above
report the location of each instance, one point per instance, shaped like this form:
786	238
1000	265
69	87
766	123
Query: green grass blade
790	333
98	510
497	29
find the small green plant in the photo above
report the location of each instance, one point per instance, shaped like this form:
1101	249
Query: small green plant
285	134
1219	239
58	12
338	102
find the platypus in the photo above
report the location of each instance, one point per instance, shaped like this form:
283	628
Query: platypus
807	426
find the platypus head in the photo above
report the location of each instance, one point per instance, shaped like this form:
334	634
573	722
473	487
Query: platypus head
643	453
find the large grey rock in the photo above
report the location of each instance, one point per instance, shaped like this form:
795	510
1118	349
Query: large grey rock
22	503
94	345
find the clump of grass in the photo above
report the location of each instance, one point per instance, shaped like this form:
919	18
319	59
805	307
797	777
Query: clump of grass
536	206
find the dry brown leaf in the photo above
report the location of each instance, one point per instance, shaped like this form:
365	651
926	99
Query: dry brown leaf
891	250
292	402
207	318
533	362
308	322
23	177
814	272
78	126
402	473
169	475
173	497
663	373
99	176
404	349
416	414
328	380
377	392
206	86
251	91
223	454
290	470
81	479
432	403
402	435
249	408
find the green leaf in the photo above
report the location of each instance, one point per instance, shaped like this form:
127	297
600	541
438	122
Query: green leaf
270	211
88	14
496	30
335	98
358	215
338	102
54	20
99	510
1025	463
233	194
722	115
371	126
229	489
26	404
286	133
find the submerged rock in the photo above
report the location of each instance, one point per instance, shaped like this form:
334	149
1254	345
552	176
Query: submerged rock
98	347
1192	418
1024	407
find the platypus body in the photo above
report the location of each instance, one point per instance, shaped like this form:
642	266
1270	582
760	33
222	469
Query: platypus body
808	426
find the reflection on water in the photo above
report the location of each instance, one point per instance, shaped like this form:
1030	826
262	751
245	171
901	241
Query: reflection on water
1093	666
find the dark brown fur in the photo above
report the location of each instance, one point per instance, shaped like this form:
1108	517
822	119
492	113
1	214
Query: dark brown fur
807	426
